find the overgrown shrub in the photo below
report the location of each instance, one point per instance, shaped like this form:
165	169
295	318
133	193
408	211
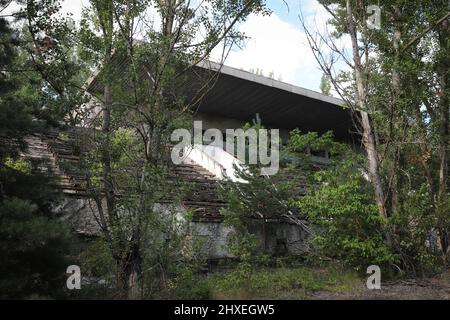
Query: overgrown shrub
349	227
190	285
417	226
34	244
33	248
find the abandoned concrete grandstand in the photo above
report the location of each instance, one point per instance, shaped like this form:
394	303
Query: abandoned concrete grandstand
235	99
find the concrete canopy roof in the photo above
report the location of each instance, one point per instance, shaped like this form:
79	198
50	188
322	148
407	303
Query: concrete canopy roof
241	95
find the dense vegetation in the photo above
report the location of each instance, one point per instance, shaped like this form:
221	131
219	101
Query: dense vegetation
33	244
387	203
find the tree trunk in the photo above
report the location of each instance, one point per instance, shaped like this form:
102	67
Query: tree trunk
444	115
106	143
264	234
368	134
127	274
105	16
396	90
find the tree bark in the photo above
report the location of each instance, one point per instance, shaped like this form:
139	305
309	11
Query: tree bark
368	134
396	90
444	118
105	13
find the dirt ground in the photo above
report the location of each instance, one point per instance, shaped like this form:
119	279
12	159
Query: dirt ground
428	289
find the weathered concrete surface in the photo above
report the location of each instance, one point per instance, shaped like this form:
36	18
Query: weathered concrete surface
281	238
80	214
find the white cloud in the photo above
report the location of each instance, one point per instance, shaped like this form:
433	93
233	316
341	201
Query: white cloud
274	46
280	46
74	7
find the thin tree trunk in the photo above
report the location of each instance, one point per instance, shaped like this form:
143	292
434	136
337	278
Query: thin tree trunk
105	15
396	90
368	134
444	105
122	279
264	234
106	143
444	115
128	271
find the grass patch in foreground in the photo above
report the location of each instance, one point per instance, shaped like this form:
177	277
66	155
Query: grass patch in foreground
283	283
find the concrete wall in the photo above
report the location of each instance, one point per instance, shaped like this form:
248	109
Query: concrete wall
282	238
222	123
80	214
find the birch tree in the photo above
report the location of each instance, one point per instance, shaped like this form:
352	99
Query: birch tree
148	51
392	89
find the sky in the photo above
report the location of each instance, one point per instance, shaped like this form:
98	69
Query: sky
276	43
